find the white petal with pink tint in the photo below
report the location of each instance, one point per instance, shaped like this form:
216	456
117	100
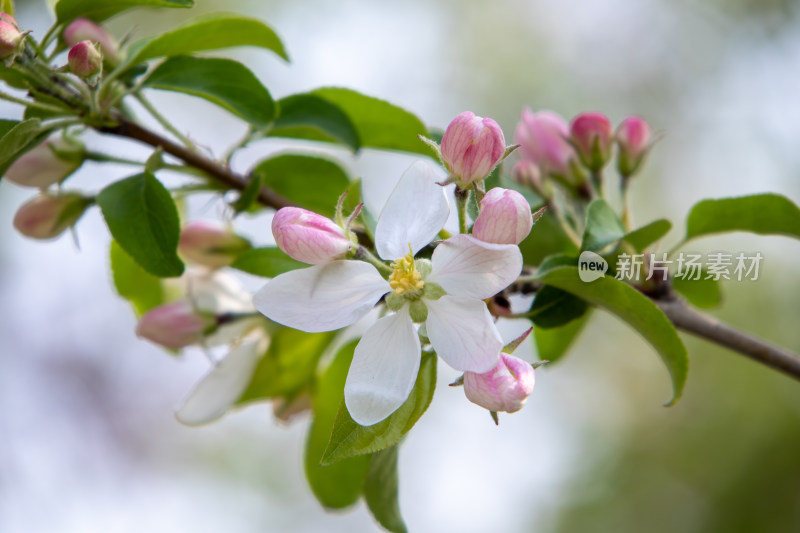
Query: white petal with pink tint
465	266
223	385
462	332
414	213
384	369
322	297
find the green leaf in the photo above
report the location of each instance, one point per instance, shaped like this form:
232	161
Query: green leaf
603	227
142	218
553	307
703	293
378	123
99	10
142	289
380	490
306	116
546	239
552	344
16	137
266	262
209	32
314	183
350	439
635	309
341	484
765	214
643	237
289	364
224	82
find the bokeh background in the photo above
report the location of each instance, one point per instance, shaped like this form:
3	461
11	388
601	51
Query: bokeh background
88	442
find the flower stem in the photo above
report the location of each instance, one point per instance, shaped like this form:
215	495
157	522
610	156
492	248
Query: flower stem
462	199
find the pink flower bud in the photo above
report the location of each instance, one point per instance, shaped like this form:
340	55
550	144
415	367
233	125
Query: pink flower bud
46	164
505	217
592	136
472	146
503	388
309	237
5	17
47	215
85	30
10	36
174	325
634	139
84	59
210	245
542	138
527	174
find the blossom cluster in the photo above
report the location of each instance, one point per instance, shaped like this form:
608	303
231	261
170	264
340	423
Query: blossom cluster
550	147
432	285
47	164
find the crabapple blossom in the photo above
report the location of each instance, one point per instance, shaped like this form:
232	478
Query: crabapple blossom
210	245
504	388
444	293
83	29
84	59
309	237
505	217
47	216
471	147
175	325
46	164
10	36
592	136
543	141
634	139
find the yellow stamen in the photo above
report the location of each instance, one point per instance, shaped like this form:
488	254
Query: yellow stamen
406	277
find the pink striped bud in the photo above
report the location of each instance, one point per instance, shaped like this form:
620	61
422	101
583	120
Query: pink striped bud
472	146
84	59
543	141
210	245
505	217
5	17
10	36
592	136
309	237
634	139
48	163
85	30
48	215
174	325
503	388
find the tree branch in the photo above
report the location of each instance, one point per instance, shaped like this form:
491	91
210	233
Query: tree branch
692	321
219	172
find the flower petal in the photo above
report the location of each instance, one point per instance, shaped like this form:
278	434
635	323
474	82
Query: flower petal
465	266
220	388
462	332
414	213
322	297
384	369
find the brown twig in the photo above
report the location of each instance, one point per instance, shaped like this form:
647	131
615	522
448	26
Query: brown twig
221	173
692	321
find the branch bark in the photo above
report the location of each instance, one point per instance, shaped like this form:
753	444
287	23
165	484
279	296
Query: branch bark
692	321
219	172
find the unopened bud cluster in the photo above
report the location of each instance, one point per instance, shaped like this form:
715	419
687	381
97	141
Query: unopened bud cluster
551	147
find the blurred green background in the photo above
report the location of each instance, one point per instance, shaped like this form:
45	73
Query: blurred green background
86	432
